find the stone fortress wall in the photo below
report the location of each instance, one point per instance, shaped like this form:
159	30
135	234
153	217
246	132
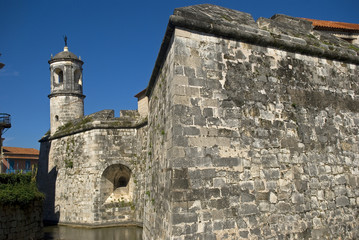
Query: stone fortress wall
251	132
87	161
18	222
261	127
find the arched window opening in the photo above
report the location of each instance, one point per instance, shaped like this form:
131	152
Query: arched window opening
61	77
58	76
78	78
56	118
116	186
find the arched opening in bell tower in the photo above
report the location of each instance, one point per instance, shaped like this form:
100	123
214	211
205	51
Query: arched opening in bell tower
78	78
58	76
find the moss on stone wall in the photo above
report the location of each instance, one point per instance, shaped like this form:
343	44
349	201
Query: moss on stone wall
72	126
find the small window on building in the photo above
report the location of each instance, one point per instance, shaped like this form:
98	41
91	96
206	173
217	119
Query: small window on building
27	165
56	118
10	166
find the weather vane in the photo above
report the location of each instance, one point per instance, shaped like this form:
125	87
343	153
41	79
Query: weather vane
65	39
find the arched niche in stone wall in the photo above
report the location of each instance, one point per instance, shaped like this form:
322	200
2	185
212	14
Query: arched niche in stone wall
115	184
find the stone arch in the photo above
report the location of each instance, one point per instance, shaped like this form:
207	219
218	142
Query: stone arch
58	76
116	185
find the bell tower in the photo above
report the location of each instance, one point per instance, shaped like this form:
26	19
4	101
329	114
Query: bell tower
66	98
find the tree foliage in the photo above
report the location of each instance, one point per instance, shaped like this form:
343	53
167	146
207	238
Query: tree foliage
18	189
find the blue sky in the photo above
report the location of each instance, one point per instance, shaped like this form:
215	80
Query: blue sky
118	41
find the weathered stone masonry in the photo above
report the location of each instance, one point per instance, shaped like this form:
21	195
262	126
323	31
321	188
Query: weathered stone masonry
18	222
252	132
261	121
86	161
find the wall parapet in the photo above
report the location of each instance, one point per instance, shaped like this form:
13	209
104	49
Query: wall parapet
275	32
269	39
88	123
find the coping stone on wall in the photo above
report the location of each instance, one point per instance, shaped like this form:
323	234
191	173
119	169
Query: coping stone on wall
216	15
100	120
281	31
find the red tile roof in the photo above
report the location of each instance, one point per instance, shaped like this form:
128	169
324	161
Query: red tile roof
336	25
21	153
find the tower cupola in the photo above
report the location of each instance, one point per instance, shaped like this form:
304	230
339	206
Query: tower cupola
66	97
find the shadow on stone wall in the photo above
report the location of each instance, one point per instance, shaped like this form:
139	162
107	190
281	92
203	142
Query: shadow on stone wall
46	182
53	212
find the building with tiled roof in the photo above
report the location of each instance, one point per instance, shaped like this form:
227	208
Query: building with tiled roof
19	159
345	31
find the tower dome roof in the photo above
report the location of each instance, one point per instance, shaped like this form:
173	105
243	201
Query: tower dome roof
64	55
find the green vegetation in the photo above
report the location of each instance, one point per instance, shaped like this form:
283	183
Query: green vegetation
19	189
312	36
123	203
69	163
225	17
70	149
354	48
120	203
72	126
65	127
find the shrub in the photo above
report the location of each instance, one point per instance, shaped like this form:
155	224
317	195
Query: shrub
18	189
